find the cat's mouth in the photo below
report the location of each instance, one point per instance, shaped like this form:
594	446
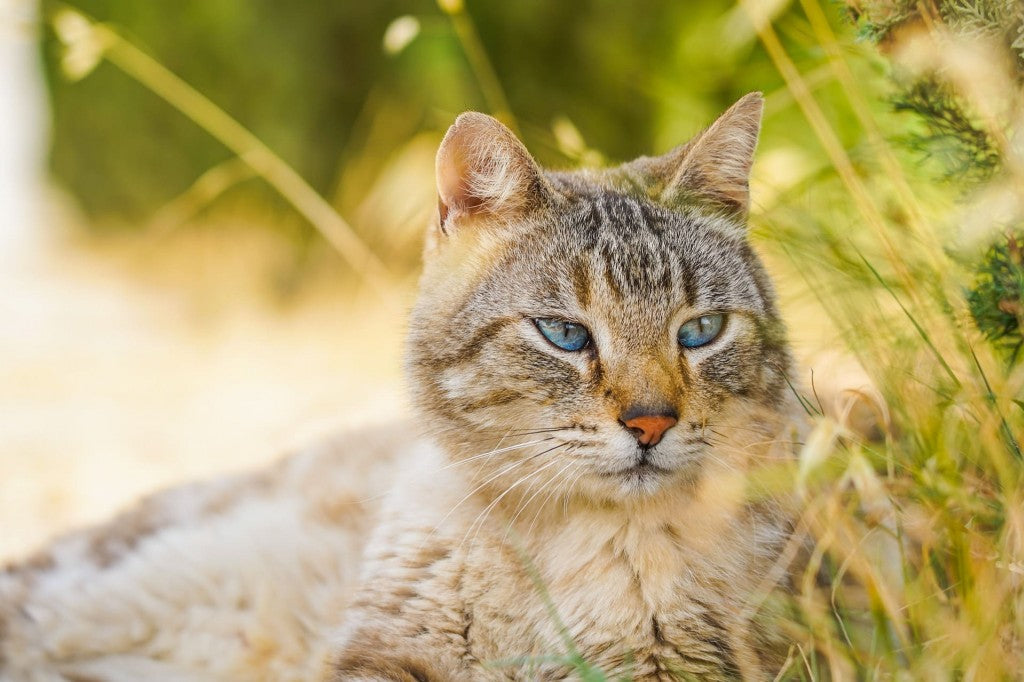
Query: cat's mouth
642	468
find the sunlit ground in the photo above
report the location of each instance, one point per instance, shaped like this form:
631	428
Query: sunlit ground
128	367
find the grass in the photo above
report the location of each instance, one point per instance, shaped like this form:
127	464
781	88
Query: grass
87	42
917	570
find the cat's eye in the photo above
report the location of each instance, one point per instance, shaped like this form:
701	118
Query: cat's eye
566	335
700	331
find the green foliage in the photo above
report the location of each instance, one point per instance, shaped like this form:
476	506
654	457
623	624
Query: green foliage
964	152
293	74
951	136
314	84
999	20
997	298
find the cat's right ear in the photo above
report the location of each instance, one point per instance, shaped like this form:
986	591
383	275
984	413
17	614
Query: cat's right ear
713	168
484	173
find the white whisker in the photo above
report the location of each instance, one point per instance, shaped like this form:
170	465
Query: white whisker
544	502
487	510
521	509
500	450
504	470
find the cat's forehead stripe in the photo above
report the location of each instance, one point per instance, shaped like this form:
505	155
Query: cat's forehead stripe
619	260
635	254
581	282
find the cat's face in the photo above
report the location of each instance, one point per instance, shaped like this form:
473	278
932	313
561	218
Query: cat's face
573	331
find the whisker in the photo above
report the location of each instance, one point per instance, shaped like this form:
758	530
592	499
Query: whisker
733	427
744	447
502	439
487	510
460	462
544	502
507	448
728	465
504	470
539	490
565	504
530	432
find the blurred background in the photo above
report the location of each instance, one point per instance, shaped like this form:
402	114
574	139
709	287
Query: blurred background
211	214
172	311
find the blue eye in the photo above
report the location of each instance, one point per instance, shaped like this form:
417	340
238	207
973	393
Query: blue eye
566	335
700	331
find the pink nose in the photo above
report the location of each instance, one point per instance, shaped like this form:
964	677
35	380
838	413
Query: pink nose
649	428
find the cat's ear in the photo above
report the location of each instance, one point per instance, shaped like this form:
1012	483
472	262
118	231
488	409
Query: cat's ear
484	171
713	167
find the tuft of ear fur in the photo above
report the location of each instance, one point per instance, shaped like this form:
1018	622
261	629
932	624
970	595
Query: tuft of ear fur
713	167
484	170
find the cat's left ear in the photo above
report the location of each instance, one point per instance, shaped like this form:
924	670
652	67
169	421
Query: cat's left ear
485	173
712	168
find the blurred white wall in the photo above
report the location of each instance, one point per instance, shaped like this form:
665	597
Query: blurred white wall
23	131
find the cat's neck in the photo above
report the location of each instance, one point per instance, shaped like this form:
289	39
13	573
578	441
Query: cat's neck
651	543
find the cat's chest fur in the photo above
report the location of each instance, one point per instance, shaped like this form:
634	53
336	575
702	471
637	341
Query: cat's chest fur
627	596
650	591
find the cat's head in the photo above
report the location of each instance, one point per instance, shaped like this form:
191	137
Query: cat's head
605	330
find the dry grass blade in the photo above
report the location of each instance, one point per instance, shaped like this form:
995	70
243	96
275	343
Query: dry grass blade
249	148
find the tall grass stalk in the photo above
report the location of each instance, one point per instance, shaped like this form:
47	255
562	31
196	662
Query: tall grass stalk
250	149
916	533
479	62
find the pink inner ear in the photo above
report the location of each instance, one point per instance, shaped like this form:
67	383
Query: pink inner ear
453	180
483	169
442	211
452	186
462	199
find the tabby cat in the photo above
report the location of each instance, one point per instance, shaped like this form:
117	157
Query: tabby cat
597	363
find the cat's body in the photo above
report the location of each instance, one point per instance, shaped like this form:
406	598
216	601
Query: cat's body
651	591
598	366
241	578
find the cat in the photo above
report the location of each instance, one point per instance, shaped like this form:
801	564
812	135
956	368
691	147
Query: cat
598	366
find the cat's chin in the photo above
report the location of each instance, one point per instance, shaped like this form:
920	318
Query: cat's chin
640	481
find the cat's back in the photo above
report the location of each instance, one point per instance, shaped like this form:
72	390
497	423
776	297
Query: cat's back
238	578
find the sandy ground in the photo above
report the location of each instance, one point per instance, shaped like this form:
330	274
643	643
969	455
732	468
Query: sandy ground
112	385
